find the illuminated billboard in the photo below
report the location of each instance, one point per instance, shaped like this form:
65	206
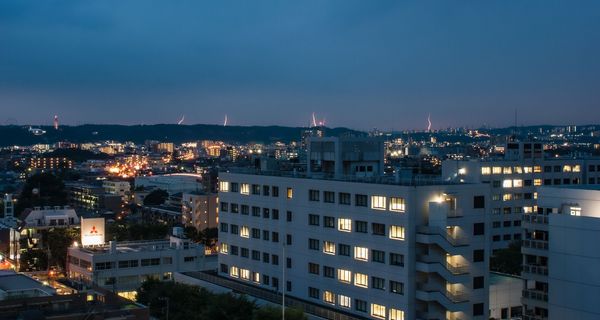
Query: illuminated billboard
92	231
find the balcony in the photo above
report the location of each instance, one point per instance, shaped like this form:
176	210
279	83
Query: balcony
455	269
455	213
535	295
534	218
541	270
535	244
441	237
451	300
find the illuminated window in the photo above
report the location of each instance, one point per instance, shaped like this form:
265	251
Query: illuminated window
328	247
328	297
397	232
507	197
361	253
537	169
496	170
345	225
245	188
377	311
567	168
234	272
378	202
527	209
576	168
575	211
486	171
517	183
535	195
537	182
290	193
396	314
344	275
245	232
245	274
507	183
223	186
397	204
224	248
507	170
256	277
361	280
344	301
462	171
518	170
527	169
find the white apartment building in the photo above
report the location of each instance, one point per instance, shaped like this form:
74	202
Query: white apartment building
123	266
560	255
375	250
514	181
50	217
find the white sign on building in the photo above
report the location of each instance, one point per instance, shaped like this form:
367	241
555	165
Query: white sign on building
92	231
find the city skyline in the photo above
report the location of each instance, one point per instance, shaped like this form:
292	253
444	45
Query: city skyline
358	65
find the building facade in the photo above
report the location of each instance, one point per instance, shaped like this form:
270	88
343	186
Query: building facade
514	180
375	250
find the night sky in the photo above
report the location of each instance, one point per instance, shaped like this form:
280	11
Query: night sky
359	64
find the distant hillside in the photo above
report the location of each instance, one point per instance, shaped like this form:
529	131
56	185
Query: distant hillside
20	135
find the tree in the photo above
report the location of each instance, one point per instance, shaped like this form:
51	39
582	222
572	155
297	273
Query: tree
156	197
33	260
508	260
50	192
58	240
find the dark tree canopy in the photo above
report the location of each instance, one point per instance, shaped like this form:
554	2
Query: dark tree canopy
156	197
508	260
50	192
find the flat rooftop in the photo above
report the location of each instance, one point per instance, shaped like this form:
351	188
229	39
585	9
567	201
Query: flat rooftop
132	246
12	281
416	180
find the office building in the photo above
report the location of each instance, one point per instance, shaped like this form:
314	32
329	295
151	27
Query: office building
514	180
200	210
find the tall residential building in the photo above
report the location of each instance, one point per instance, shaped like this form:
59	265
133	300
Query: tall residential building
560	255
514	181
200	210
380	250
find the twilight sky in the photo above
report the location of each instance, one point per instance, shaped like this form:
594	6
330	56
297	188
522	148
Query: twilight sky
360	64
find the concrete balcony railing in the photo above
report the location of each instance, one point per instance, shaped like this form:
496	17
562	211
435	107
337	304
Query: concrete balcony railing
534	218
453	296
535	295
455	269
536	244
453	240
541	270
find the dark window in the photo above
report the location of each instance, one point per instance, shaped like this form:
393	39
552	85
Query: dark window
378	229
224	268
360	305
256	189
275	259
506	237
313	219
313	293
256	211
343	249
313	195
344	198
244	253
266	235
478	229
478	255
275	214
328	222
328	272
313	268
289	216
224	206
396	259
266	213
329	196
479	202
234	208
361	226
378	256
478	282
245	210
377	283
275	236
275	282
234	250
235	187
256	255
288	286
266	257
288	263
266	190
506	223
313	244
361	200
547	169
234	229
275	191
224	227
288	239
478	309
396	287
496	238
504	313
265	280
255	233
527	183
